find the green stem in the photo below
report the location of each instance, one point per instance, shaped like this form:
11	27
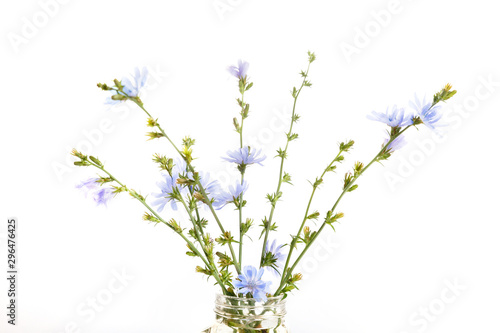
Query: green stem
191	191
212	265
280	180
290	271
198	183
240	208
242	118
294	240
191	245
193	221
199	221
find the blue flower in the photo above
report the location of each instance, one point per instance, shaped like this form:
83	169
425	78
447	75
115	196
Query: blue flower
394	118
239	71
88	185
278	256
245	156
213	190
101	195
249	281
130	88
396	144
167	187
429	114
212	187
140	78
233	194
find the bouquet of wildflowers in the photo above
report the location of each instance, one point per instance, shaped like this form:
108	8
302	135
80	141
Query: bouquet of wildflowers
184	186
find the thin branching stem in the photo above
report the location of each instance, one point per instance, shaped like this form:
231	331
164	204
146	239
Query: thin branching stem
240	208
288	274
295	239
198	183
192	247
269	221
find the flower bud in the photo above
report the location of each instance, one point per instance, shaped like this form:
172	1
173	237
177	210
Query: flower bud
96	160
154	135
81	163
152	122
76	153
198	196
236	125
103	86
118	97
118	84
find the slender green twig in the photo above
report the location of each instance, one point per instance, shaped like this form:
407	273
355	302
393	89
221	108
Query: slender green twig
242	117
191	191
288	274
192	247
193	221
306	215
240	208
198	183
199	236
268	222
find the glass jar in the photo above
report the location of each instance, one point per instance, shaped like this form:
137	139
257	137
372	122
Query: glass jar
246	315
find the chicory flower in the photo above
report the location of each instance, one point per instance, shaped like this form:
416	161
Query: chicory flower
168	185
250	281
130	88
245	156
240	71
233	194
277	259
429	114
397	117
396	144
101	195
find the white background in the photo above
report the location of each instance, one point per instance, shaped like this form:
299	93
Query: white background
425	221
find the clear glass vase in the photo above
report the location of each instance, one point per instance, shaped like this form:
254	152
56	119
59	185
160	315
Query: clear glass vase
246	315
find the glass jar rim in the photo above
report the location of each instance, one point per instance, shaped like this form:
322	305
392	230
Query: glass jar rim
273	298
